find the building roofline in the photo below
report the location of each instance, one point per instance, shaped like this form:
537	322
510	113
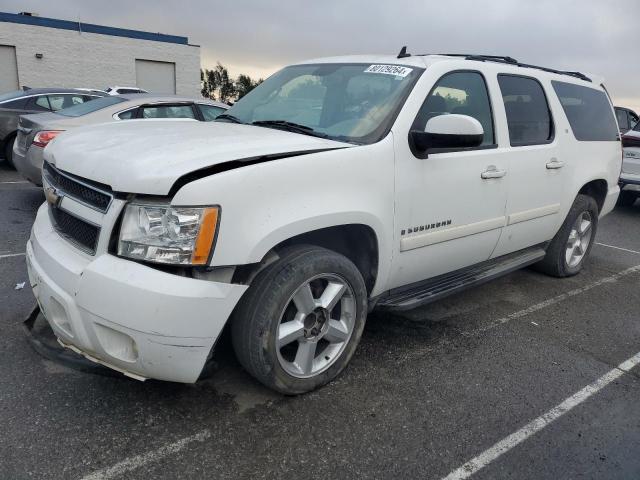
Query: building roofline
91	28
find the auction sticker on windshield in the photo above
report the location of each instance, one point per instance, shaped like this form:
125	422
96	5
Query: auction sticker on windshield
395	70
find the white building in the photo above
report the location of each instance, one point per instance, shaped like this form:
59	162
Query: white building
46	52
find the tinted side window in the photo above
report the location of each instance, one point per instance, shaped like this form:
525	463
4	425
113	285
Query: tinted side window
210	112
128	114
58	102
39	104
623	121
168	111
463	93
588	111
528	114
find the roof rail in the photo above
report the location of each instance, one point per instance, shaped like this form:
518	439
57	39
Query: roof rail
514	62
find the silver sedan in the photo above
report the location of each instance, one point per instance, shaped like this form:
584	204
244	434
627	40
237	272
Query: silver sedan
36	131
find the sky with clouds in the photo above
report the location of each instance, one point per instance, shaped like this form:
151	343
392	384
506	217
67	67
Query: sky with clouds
258	37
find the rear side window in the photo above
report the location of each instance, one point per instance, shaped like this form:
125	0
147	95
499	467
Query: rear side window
168	111
588	111
528	114
623	121
58	102
90	107
128	114
38	104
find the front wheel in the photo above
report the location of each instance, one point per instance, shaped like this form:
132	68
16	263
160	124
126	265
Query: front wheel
571	246
301	320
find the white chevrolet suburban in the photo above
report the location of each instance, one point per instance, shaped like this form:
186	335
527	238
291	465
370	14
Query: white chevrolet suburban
337	186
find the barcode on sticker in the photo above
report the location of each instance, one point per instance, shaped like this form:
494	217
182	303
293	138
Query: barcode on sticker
389	70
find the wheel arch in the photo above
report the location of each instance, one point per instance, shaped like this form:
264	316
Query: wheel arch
597	189
356	241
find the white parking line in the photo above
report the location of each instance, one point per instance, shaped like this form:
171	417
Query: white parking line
138	461
553	301
18	181
503	446
617	248
7	255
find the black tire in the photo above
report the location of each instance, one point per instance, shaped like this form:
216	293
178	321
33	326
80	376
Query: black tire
256	318
8	150
555	262
627	198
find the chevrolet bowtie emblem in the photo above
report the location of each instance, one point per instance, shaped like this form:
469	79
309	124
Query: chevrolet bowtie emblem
53	196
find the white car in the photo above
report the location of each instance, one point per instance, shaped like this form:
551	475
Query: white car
117	90
630	174
337	186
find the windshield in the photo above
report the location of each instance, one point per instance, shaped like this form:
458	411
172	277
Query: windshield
90	106
348	102
637	127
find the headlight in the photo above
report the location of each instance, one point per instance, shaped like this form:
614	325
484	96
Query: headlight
167	234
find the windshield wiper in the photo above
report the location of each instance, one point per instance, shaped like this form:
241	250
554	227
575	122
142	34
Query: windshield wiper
289	126
227	116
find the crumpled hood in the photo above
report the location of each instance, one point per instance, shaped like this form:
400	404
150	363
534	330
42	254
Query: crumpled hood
148	156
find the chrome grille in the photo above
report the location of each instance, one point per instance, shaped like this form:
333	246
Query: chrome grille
77	189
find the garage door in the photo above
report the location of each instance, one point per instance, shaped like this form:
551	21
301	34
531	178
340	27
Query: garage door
156	77
8	69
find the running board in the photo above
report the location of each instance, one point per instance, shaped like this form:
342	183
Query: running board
427	291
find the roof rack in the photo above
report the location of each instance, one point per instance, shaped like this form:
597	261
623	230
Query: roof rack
514	62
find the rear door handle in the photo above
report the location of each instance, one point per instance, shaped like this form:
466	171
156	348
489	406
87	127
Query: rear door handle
493	172
554	164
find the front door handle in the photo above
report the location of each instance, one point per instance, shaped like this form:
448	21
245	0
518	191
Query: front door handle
555	164
493	172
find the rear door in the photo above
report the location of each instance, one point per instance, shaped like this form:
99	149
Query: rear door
536	167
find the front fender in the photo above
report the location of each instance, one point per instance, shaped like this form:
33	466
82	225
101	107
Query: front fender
267	203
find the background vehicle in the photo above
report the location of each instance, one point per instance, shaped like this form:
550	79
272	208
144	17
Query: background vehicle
36	131
33	100
627	118
124	90
630	174
335	186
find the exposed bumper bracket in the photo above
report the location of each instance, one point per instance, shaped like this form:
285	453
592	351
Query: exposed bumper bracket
42	339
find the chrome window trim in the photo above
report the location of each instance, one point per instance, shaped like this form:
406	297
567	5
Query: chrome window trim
23	97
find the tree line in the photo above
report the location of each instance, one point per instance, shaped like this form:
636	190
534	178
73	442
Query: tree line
217	85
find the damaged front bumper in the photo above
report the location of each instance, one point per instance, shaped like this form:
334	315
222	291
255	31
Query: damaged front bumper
126	316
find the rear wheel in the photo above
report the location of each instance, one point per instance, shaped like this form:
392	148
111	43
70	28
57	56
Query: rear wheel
570	247
8	150
299	323
627	198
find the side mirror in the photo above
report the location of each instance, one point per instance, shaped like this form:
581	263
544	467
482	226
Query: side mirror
449	131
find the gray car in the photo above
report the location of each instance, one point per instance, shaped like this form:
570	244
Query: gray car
34	100
36	131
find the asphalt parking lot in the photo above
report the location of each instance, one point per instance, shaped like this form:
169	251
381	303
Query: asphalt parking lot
489	383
